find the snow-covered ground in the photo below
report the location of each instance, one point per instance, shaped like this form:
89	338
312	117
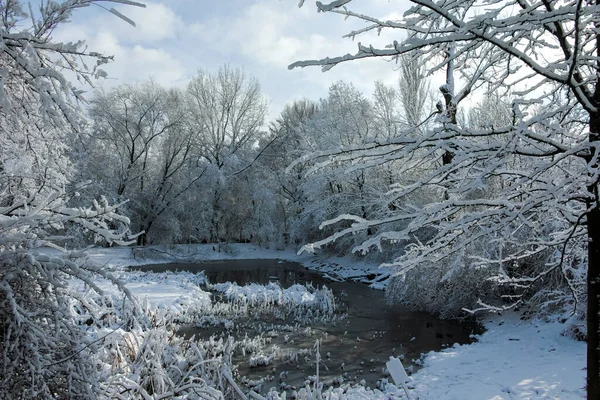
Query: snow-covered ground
513	359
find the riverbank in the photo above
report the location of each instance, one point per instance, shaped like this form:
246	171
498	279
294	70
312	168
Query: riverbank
334	268
513	359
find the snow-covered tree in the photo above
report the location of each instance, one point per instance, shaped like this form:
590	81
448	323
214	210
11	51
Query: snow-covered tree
386	109
43	351
413	90
143	130
288	138
402	109
544	55
129	123
344	116
226	112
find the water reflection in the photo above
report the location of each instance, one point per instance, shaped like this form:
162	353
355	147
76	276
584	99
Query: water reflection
246	271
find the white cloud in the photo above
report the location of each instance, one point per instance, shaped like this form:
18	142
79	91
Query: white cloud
153	23
135	63
137	52
173	39
272	35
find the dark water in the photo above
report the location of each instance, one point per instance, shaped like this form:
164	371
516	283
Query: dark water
246	271
372	331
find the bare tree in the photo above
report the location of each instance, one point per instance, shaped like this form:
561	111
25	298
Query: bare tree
227	111
226	114
143	129
413	90
546	55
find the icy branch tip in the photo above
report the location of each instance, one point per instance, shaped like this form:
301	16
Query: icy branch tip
308	248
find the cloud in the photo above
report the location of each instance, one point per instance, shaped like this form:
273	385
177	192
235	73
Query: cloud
155	22
173	39
144	63
135	51
268	36
265	37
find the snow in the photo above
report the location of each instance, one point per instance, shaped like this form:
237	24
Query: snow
176	292
513	359
168	290
256	294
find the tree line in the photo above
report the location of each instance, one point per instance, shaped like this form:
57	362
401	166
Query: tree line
202	164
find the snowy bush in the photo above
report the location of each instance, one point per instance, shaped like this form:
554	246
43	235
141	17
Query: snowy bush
297	302
45	353
424	289
44	349
541	282
155	363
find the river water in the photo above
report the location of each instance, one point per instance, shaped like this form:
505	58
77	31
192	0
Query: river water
354	347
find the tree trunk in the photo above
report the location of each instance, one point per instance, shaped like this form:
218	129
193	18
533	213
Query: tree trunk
593	226
142	239
593	287
593	278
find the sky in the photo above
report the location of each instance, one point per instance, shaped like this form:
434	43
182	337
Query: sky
174	39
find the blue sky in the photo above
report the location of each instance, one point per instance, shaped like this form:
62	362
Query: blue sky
174	39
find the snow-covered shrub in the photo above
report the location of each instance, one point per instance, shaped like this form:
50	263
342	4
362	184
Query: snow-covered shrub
298	302
135	352
155	362
43	346
257	360
541	281
44	353
424	289
576	329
